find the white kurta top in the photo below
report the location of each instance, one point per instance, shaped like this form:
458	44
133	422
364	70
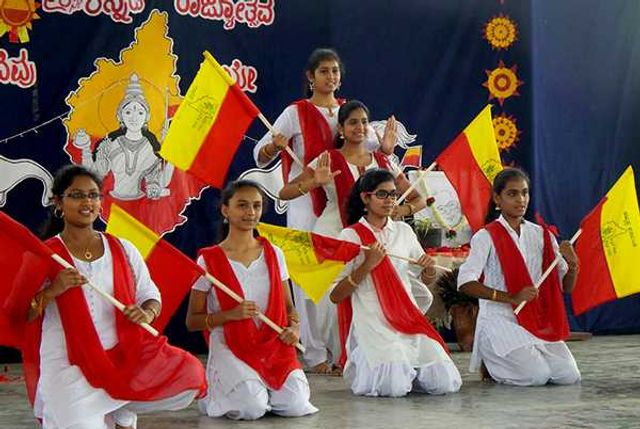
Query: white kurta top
300	212
330	223
223	367
369	328
496	322
62	387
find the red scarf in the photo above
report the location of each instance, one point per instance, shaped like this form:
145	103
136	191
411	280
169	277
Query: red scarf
258	347
139	367
317	136
397	307
344	181
544	317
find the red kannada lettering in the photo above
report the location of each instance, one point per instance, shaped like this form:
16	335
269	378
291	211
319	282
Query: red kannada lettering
245	76
19	71
253	13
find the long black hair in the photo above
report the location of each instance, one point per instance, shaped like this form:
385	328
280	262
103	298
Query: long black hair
228	193
64	177
343	113
313	62
368	182
499	183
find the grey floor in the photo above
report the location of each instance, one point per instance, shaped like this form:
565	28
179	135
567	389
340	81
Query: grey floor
609	397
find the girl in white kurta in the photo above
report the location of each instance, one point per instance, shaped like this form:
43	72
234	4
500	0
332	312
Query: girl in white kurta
241	387
510	352
65	397
330	181
387	354
309	126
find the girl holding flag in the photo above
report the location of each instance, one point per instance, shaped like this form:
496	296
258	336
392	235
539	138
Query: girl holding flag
92	366
309	126
251	369
505	257
389	347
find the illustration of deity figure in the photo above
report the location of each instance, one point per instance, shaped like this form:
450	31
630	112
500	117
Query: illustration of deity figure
130	153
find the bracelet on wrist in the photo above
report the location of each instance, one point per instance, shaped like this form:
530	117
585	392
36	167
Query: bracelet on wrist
351	281
494	294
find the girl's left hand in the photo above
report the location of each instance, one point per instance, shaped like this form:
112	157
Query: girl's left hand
569	255
137	315
390	136
290	334
428	268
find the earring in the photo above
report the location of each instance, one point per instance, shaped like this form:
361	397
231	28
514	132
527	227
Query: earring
311	85
498	208
225	220
338	86
341	134
58	213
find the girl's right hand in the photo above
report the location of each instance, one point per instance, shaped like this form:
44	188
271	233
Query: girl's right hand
66	279
280	142
528	293
322	173
244	310
374	255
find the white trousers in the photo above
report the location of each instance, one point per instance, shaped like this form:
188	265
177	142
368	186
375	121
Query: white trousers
533	365
251	399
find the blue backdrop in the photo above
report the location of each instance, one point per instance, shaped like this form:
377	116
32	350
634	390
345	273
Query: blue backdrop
423	60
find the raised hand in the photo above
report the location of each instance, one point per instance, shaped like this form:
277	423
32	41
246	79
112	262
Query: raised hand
322	173
390	136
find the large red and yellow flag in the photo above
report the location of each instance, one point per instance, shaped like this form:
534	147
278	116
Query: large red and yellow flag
209	125
313	260
470	163
609	248
172	271
24	263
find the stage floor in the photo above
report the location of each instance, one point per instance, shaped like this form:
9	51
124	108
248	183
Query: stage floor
609	397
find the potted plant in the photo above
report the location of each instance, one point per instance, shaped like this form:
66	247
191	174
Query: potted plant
428	236
462	308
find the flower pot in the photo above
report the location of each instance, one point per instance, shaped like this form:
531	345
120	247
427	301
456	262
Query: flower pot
464	323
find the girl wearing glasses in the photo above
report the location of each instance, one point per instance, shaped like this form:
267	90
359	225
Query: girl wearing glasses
389	347
251	369
309	126
92	365
330	180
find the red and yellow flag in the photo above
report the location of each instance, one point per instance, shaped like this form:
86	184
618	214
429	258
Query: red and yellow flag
172	271
209	125
314	261
470	163
412	157
609	248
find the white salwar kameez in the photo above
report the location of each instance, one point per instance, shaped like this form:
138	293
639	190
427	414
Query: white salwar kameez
300	216
511	354
235	389
380	360
64	397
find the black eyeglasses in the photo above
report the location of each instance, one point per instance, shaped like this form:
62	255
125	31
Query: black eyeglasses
79	195
383	195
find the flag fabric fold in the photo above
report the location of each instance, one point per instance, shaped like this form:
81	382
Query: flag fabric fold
209	125
172	271
313	260
609	248
470	163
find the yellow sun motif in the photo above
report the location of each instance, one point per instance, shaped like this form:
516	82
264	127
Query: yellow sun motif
16	17
506	131
502	82
501	32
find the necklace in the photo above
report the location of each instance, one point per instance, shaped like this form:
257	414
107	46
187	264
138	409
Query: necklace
331	111
87	254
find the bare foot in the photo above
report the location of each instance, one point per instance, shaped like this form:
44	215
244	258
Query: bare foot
486	377
323	368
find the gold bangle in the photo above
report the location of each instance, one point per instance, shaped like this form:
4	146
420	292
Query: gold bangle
155	313
301	189
494	294
207	324
294	317
266	152
411	208
37	304
351	281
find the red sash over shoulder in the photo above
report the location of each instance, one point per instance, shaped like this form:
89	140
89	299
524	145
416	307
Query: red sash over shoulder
139	367
317	136
544	317
257	346
345	181
398	308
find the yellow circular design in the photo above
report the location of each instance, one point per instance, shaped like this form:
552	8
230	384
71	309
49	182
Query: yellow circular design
502	82
501	32
506	131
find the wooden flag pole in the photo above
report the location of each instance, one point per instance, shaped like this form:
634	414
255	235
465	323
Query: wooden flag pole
548	271
412	261
239	299
273	131
415	183
111	299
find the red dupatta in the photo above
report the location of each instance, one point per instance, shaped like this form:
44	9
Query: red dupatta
398	308
257	346
545	317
